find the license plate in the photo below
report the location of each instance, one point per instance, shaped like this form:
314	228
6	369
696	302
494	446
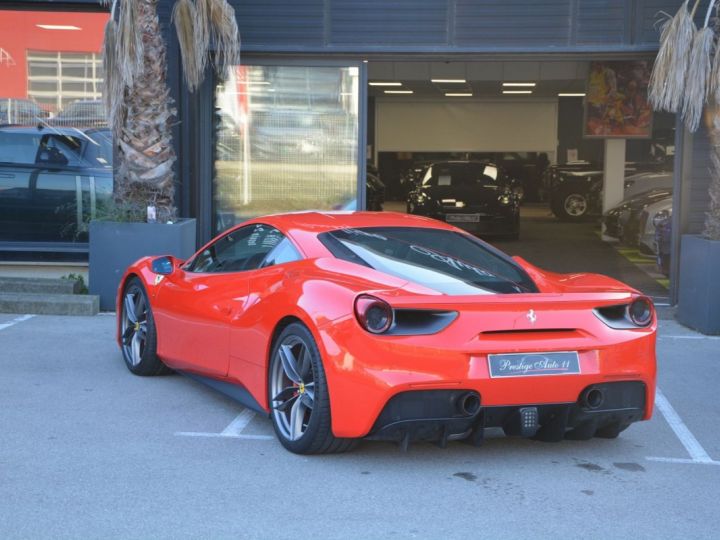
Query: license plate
533	364
462	218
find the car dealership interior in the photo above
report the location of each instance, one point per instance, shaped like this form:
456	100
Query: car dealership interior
529	119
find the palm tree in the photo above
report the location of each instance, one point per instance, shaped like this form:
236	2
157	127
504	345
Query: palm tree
686	80
137	97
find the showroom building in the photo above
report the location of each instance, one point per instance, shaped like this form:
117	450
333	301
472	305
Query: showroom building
328	86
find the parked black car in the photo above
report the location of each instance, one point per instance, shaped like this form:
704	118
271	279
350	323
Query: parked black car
52	181
474	195
574	190
623	221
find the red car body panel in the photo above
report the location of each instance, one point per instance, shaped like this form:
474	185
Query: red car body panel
221	325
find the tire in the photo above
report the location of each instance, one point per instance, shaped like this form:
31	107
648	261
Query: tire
138	333
571	205
301	413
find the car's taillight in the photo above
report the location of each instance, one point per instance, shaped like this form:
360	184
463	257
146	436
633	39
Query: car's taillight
373	314
640	311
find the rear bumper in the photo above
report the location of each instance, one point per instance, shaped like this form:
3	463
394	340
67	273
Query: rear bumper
425	415
365	372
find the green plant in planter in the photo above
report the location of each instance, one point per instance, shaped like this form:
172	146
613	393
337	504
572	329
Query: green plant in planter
137	97
80	279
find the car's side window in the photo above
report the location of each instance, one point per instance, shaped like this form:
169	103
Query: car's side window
18	148
59	150
243	249
284	252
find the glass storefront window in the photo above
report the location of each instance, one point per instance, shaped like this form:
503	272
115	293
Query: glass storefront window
55	147
286	139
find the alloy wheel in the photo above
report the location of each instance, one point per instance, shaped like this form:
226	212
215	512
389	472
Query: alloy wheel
134	325
575	205
292	387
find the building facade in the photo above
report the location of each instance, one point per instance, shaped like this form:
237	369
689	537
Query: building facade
296	124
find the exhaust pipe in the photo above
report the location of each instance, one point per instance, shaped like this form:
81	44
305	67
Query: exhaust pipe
592	398
469	403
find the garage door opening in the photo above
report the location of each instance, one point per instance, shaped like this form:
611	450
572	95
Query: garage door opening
573	143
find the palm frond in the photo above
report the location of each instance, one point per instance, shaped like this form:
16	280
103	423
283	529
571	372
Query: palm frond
202	32
696	83
113	84
226	36
667	80
184	17
129	42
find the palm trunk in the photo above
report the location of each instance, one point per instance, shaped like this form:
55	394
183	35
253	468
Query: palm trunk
144	138
712	218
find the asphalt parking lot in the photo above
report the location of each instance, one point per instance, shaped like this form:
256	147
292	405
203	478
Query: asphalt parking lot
88	450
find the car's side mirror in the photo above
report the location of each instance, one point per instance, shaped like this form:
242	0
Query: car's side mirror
163	265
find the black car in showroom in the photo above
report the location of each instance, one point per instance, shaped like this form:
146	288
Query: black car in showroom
476	196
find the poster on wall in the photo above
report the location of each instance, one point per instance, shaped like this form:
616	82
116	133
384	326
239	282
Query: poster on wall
616	104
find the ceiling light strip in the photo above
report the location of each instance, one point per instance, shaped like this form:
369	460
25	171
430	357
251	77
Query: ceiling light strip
448	81
58	27
381	83
520	84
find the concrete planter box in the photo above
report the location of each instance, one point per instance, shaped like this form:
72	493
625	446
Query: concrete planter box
699	294
115	246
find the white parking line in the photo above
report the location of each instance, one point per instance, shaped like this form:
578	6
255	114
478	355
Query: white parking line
241	421
682	460
688	440
16	320
689	337
221	436
233	431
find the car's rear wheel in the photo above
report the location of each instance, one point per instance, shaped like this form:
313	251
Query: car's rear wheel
298	395
137	332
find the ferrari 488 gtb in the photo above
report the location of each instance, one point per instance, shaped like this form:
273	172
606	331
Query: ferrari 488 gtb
343	326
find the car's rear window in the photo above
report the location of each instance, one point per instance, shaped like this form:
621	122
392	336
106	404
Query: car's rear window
460	174
446	261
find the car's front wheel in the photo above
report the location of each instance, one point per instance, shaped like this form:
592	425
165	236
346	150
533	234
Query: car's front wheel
137	332
298	395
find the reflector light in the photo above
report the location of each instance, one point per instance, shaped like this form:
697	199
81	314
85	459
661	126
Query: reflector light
373	314
640	311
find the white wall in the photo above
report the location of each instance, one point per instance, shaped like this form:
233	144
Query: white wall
466	126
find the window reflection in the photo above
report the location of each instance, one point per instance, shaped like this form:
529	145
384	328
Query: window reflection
55	148
286	139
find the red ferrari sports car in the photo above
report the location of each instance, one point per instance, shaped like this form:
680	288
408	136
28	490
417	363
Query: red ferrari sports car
343	326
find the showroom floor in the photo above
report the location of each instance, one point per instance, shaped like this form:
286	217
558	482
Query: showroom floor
571	247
